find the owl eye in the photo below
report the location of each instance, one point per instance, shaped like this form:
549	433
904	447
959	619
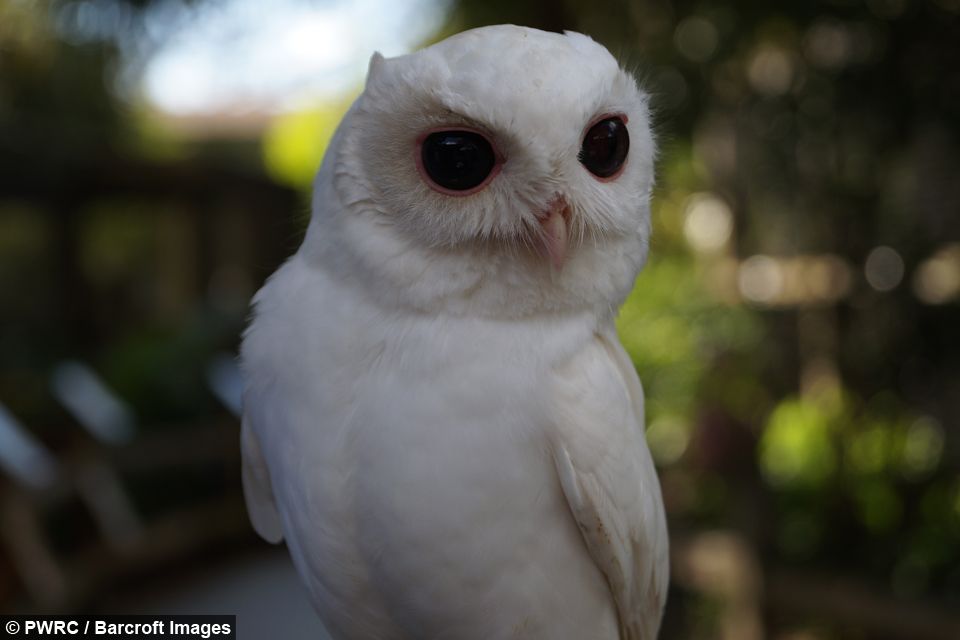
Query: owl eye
605	147
457	162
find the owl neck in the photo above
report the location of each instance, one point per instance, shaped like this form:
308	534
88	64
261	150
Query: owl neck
471	281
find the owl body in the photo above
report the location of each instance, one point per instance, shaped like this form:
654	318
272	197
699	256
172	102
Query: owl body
438	417
408	525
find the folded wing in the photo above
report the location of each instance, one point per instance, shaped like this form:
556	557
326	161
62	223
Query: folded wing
609	480
256	487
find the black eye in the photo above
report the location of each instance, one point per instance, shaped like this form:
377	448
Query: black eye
457	160
605	147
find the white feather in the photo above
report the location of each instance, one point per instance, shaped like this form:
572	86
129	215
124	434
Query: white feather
257	490
608	478
431	409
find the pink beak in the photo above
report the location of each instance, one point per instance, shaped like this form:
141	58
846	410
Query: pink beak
555	237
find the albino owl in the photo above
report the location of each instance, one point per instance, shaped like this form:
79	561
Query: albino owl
439	418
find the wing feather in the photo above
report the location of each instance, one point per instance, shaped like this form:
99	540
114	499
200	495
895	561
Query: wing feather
257	488
609	481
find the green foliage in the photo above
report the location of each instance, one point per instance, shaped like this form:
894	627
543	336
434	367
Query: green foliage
295	142
672	325
797	448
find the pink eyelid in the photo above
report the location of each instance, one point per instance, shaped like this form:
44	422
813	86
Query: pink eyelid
589	126
418	159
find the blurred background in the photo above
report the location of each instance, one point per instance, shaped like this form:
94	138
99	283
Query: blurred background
796	328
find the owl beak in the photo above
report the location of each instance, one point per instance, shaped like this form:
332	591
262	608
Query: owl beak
555	224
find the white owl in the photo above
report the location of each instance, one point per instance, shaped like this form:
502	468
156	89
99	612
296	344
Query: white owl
439	418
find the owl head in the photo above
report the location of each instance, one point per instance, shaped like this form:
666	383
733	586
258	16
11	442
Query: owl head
504	171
